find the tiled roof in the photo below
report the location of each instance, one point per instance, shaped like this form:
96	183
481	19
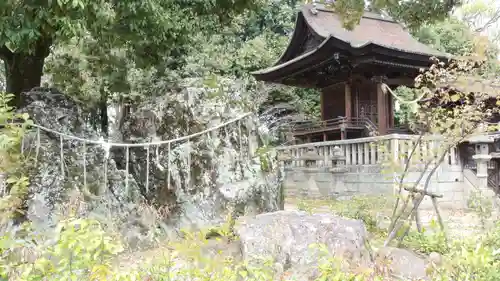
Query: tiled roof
373	28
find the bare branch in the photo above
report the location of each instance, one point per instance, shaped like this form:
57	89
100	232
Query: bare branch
492	20
401	180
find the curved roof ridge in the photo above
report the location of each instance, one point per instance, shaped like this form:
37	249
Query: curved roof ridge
371	29
367	13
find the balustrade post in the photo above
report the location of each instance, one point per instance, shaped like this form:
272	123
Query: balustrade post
359	148
395	149
373	153
366	147
394	154
348	153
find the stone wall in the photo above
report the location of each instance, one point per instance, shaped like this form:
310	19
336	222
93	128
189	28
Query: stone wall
321	183
360	170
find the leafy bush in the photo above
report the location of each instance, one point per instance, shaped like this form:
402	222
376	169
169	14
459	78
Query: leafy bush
470	259
12	161
75	249
83	249
360	208
427	242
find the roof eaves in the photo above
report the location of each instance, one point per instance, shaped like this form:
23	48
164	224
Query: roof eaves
436	53
296	59
298	22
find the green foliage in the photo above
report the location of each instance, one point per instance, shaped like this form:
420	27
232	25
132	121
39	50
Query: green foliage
480	204
12	161
75	249
472	259
405	114
413	13
305	207
263	153
150	26
455	37
428	241
364	208
82	249
333	269
451	36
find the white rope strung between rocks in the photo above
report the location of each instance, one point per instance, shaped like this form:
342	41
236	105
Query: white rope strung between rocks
66	137
144	144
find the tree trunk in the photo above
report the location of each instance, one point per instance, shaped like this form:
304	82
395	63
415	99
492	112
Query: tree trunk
23	71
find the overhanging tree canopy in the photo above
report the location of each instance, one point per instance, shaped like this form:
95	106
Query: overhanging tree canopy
149	30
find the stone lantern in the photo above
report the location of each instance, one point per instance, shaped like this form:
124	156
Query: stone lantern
311	171
338	161
338	172
311	158
482	157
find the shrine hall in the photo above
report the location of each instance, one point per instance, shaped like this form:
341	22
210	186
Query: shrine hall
349	68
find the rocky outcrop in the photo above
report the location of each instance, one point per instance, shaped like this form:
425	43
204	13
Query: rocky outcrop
55	172
224	170
209	175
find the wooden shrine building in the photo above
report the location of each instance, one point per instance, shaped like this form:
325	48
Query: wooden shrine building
348	68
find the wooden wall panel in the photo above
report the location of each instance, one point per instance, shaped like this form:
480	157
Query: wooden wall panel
365	96
333	101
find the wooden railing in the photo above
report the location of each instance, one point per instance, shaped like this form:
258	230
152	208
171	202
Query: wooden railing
372	150
372	128
305	127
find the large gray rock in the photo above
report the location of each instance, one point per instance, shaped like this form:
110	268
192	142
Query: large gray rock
209	174
287	237
402	264
56	175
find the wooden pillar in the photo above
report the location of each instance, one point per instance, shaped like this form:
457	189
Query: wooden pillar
381	109
348	100
391	110
322	104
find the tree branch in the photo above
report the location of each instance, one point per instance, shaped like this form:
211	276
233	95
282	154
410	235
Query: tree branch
491	21
401	180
